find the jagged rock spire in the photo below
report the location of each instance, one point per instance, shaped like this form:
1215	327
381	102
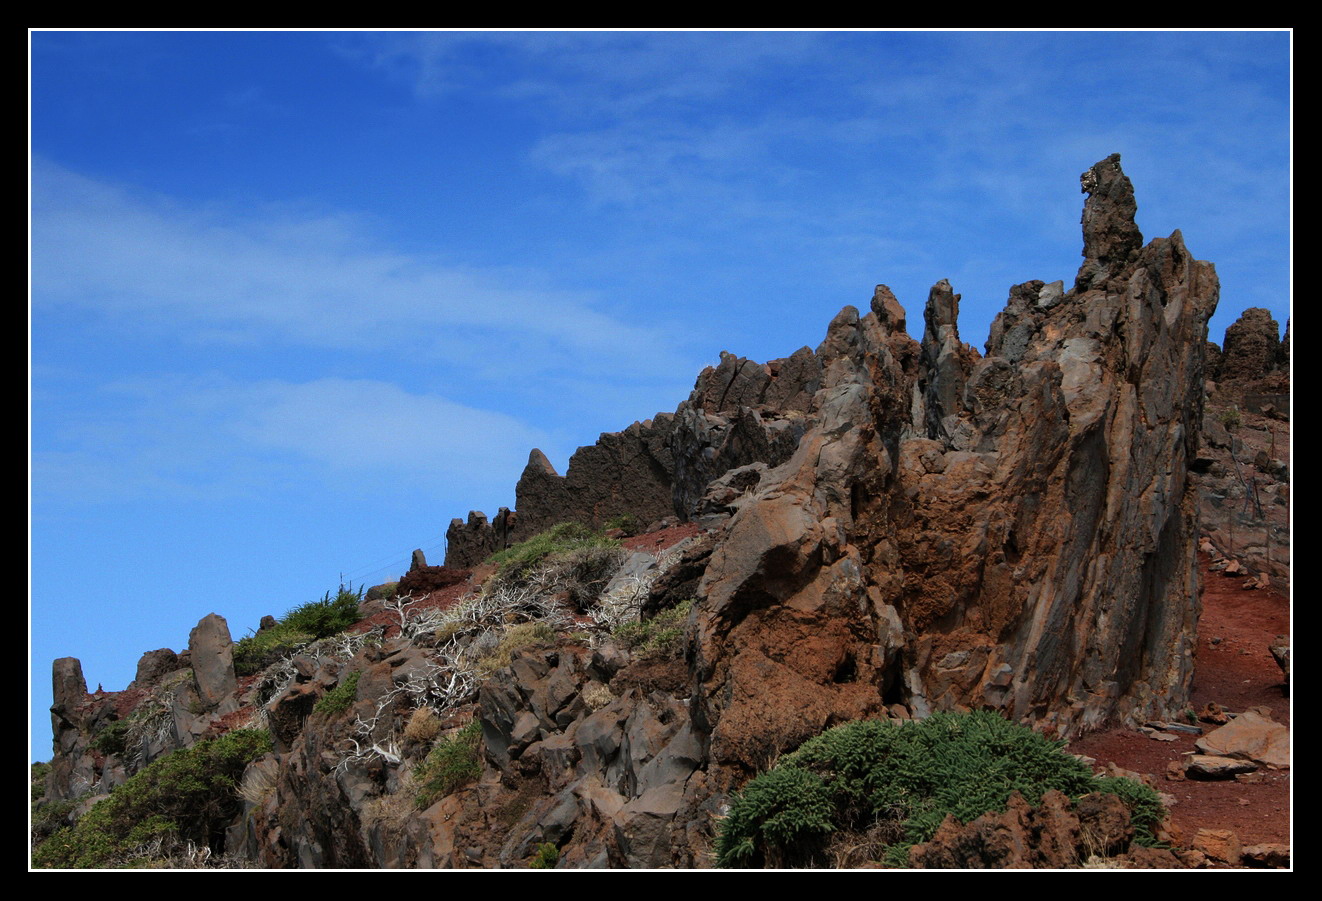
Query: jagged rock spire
1111	238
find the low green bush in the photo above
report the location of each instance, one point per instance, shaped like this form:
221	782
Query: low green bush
49	817
328	616
452	763
111	740
909	774
39	773
626	523
254	653
300	627
660	636
341	697
517	560
547	856
187	795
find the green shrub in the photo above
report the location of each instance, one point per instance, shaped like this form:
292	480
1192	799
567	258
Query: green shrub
255	652
783	813
300	627
326	617
452	763
49	817
516	561
910	774
111	740
660	636
39	773
187	795
547	856
341	697
626	523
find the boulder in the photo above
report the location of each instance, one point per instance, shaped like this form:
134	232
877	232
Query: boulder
1219	845
1252	735
1266	856
154	664
1206	766
211	652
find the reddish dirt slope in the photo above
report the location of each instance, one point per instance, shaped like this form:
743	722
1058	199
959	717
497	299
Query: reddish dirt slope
1236	672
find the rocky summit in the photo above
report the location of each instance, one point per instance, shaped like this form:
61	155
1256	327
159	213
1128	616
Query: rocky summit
878	528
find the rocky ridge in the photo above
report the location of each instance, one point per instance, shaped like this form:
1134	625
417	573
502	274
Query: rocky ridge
880	527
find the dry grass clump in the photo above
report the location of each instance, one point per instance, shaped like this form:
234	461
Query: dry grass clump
597	696
423	726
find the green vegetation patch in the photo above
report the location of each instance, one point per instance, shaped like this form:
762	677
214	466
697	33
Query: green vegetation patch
660	636
547	856
254	653
518	560
626	523
341	697
39	773
300	627
907	774
187	795
112	739
328	616
452	763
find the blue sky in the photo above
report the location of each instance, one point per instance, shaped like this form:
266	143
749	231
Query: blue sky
299	298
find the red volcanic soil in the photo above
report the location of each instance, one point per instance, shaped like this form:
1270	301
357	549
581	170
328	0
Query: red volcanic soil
1235	670
662	538
441	599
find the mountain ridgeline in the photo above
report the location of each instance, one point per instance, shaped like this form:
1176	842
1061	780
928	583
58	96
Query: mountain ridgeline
877	529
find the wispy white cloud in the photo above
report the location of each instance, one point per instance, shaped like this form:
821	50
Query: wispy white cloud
211	438
306	279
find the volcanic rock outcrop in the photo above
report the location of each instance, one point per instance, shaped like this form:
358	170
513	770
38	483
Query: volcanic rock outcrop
1243	469
888	527
918	524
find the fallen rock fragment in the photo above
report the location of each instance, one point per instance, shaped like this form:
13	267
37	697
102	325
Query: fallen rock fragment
1213	712
1206	766
1252	735
1266	856
1218	844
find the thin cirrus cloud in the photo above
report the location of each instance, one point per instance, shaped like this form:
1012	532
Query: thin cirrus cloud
212	438
304	280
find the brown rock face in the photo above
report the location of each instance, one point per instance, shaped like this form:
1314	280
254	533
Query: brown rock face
1014	531
918	524
1252	347
1110	236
